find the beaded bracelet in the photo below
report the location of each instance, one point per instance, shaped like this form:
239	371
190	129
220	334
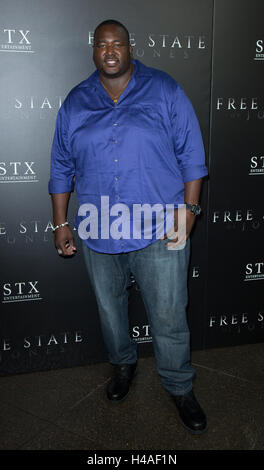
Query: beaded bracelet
60	225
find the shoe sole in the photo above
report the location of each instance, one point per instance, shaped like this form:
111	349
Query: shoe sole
123	398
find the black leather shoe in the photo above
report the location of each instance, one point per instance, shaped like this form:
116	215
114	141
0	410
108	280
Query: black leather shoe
191	414
118	386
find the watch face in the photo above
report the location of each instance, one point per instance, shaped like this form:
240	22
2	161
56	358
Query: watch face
195	209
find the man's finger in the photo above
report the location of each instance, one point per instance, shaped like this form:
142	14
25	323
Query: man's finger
66	249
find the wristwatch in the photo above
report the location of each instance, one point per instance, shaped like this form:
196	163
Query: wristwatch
194	208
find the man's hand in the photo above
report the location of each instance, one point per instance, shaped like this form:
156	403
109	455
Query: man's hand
64	241
184	219
182	228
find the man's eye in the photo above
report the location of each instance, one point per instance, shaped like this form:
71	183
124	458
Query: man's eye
104	46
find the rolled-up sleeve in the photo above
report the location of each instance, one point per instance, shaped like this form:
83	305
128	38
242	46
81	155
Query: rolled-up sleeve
188	143
62	168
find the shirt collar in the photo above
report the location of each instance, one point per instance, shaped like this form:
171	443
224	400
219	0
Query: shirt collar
140	70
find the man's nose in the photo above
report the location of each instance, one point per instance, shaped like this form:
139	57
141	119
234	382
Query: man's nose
109	47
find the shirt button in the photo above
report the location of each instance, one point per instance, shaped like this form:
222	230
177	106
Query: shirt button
117	196
116	160
116	178
115	141
116	124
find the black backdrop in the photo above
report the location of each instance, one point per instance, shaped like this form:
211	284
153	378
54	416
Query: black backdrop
215	50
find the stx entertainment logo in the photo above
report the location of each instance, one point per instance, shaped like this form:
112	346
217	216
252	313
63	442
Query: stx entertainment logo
15	40
254	271
259	50
21	291
256	165
17	172
141	334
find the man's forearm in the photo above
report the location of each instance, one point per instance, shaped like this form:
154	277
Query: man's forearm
60	207
192	191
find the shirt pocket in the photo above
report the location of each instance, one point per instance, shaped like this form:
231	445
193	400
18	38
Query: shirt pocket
144	117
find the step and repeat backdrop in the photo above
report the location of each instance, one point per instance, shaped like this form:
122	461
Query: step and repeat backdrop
215	50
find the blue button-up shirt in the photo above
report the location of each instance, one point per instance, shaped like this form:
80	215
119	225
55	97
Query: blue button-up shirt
139	151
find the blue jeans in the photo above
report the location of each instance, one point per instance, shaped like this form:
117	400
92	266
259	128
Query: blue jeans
161	275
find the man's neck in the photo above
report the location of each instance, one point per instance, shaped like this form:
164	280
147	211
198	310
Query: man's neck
115	84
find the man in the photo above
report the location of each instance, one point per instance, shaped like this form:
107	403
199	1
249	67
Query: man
129	133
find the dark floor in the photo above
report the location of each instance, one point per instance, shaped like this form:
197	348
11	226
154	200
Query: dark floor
67	409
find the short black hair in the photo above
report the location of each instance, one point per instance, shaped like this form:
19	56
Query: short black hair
114	22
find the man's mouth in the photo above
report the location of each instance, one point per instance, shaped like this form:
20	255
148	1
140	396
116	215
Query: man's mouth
111	62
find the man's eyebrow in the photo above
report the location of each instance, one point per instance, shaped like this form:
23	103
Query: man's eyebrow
105	40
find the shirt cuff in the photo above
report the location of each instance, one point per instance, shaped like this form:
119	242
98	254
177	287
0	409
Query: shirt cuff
60	186
193	173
